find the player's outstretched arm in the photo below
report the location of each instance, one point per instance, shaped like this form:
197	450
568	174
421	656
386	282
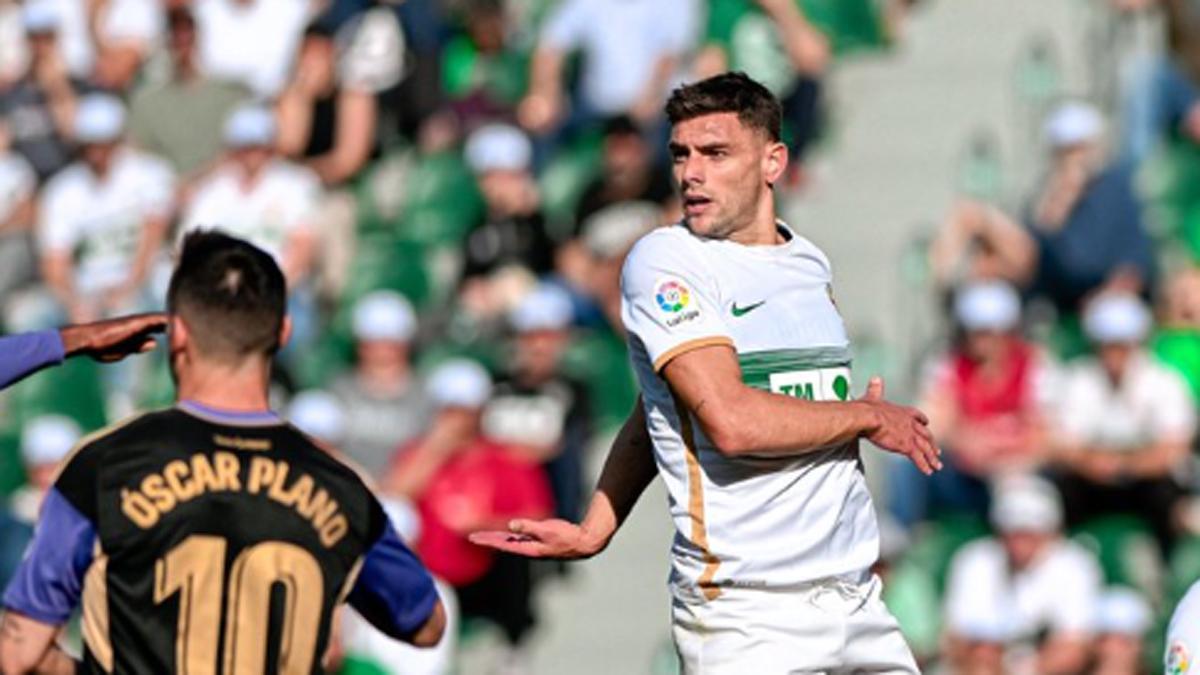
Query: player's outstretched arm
626	474
113	339
27	646
742	420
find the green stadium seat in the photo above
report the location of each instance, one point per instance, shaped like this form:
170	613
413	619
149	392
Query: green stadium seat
1127	551
851	25
939	539
72	389
566	177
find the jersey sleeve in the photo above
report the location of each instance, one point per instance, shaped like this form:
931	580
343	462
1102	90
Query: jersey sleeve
668	301
565	28
49	581
394	591
21	355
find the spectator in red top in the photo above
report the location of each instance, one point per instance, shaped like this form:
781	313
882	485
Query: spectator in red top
461	482
987	403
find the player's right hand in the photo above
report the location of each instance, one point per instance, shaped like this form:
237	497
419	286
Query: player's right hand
902	430
114	339
553	538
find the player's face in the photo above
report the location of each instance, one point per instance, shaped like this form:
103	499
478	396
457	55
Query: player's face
724	170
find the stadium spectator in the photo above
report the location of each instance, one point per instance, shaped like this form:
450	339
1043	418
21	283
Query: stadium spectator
484	72
45	441
104	42
538	410
102	220
1083	230
181	117
1125	425
628	173
773	42
462	481
988	404
1027	585
1122	623
253	42
257	195
511	241
17	185
384	401
629	59
607	237
39	106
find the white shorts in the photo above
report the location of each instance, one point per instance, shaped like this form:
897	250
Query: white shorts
828	627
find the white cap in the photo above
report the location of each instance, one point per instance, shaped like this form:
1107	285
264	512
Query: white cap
984	624
495	147
1026	503
318	414
459	383
1117	318
39	16
384	315
546	307
249	126
1073	123
99	118
1123	611
47	439
612	230
987	305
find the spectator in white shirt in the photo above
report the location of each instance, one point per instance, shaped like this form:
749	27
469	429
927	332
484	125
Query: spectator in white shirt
102	220
1039	588
253	42
1123	619
1125	425
631	49
258	196
106	41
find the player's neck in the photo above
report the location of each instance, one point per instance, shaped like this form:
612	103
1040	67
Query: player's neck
236	388
762	231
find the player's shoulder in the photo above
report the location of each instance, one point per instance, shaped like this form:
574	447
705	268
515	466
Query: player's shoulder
334	460
67	183
84	461
141	164
666	247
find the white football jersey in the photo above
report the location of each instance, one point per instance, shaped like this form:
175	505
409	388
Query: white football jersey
1183	635
748	522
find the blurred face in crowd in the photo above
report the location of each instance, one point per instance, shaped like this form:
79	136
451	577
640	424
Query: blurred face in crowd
723	169
981	658
252	159
181	37
505	190
41	476
538	353
43	45
383	357
1118	654
485	25
986	346
1115	358
315	63
1023	546
98	156
625	154
460	424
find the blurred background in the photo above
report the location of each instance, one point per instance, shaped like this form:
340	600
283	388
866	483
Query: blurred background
1009	192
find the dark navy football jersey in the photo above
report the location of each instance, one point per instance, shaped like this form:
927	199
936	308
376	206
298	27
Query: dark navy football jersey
201	541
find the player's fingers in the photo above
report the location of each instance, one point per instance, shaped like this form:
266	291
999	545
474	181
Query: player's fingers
874	389
148	345
919	461
918	415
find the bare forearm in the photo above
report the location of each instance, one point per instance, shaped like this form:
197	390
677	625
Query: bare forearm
797	426
545	76
627	472
27	648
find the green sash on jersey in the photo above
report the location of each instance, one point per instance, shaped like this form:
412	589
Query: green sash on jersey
819	374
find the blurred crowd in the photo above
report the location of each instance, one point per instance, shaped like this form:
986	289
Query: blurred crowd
451	187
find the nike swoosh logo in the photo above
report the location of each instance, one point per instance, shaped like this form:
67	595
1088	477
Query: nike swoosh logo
742	311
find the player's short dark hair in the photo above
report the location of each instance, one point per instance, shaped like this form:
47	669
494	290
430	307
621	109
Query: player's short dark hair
230	293
733	92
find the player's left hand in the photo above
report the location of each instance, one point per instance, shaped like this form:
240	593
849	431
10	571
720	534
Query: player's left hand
114	339
553	538
902	430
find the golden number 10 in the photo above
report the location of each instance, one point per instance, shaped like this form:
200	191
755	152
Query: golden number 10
195	569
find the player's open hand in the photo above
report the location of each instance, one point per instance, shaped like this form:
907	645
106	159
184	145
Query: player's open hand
902	430
552	538
114	339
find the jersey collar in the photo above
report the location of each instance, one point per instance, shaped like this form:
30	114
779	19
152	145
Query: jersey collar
241	418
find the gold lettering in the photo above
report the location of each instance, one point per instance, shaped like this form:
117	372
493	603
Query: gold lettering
262	472
205	475
228	469
153	487
276	492
175	472
300	493
138	509
320	509
239	443
334	530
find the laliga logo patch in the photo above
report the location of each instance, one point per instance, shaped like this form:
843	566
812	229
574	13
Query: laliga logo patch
674	298
1178	659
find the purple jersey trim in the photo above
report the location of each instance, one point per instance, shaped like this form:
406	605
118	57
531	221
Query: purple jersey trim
24	354
394	591
48	584
239	418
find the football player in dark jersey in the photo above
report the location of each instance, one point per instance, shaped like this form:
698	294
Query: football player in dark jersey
212	536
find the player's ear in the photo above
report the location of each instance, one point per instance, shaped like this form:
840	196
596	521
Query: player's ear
285	331
775	161
177	333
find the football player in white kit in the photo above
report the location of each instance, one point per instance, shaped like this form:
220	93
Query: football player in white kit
1183	635
746	413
